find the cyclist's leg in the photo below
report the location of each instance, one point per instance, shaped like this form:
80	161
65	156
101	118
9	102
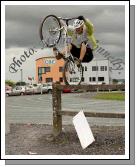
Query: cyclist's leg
83	50
67	48
57	54
61	54
75	51
79	52
88	56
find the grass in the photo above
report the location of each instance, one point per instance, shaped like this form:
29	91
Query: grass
110	96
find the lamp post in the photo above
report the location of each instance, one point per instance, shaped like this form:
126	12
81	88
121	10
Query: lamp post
96	72
21	76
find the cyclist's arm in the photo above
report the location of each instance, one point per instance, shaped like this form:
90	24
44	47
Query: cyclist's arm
89	26
90	31
70	29
93	41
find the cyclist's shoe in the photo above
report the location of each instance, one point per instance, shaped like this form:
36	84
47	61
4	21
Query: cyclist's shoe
58	55
78	62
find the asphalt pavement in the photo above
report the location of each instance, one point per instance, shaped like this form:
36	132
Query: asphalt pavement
38	108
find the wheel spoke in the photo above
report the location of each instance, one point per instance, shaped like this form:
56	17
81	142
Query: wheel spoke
50	30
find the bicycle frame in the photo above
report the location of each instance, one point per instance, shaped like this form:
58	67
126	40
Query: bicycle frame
65	21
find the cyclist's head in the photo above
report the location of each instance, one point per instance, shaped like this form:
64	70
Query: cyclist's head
78	25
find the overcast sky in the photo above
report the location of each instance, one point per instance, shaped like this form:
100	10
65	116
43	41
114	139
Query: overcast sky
22	27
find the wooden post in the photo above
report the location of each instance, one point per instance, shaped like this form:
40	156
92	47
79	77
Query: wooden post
57	117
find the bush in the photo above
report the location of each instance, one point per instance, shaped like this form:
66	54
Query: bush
115	81
10	83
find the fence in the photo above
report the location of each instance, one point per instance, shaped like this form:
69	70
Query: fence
57	108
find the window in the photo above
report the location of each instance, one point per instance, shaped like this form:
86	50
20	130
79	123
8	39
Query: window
43	70
18	88
74	79
49	79
92	79
102	68
94	68
85	68
40	78
61	79
100	78
46	69
39	70
35	85
82	79
60	69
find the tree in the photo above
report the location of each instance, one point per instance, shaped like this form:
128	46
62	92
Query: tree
115	81
20	83
10	83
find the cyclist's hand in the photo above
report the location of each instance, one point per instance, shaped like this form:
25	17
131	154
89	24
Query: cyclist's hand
81	18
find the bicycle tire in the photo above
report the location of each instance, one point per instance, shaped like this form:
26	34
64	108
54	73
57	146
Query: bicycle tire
41	30
65	69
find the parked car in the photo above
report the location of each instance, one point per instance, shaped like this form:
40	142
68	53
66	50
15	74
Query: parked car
12	92
30	89
7	88
43	88
67	90
47	88
39	88
18	90
33	89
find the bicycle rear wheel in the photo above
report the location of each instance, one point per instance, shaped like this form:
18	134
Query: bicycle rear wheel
50	30
72	74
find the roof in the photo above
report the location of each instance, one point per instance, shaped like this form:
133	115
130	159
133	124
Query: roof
45	57
99	59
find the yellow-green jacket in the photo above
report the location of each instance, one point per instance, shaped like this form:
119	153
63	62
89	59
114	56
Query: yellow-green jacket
89	33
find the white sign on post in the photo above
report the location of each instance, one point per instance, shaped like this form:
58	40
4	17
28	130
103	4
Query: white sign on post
83	130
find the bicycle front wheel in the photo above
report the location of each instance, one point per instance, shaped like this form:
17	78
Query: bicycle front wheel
72	74
50	32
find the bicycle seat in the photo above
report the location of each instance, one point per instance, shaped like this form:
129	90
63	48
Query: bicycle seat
67	19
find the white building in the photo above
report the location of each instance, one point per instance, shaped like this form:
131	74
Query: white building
97	72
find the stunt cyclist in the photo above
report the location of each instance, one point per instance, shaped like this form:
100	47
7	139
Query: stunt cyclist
83	41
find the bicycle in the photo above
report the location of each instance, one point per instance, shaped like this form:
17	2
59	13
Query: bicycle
51	30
